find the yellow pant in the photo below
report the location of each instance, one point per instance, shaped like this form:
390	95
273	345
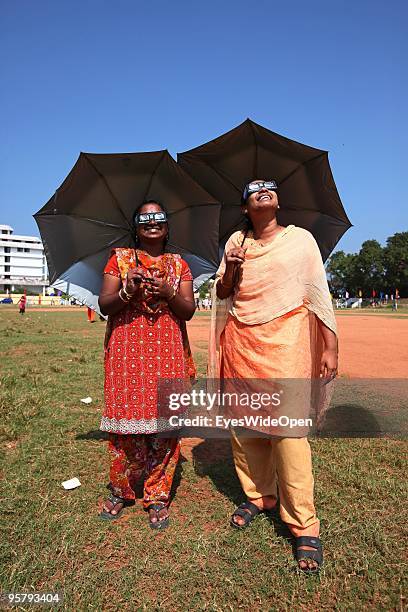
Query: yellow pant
263	465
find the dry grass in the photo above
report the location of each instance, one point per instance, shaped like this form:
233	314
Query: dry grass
53	541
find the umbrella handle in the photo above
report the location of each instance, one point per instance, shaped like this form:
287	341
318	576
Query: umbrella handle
245	236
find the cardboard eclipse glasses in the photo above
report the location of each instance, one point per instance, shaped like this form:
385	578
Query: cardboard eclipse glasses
158	217
251	188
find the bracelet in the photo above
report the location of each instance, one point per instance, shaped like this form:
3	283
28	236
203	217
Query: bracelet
128	295
124	299
173	296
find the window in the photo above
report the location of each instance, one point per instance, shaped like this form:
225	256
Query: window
19	250
7	249
26	250
7	268
7	259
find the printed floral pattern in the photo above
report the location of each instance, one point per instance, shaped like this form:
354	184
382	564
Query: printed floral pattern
134	456
145	342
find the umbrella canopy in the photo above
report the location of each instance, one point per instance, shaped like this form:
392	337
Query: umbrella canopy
307	193
84	296
92	212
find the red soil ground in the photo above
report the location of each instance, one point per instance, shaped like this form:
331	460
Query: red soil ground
369	346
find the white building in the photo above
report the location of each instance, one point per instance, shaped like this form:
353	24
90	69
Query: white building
22	262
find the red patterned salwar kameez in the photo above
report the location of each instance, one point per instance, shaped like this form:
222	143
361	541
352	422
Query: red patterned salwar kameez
145	342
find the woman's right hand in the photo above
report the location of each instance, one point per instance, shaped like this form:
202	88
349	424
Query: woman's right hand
133	280
234	259
235	256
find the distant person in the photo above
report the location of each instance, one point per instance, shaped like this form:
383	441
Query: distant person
22	302
147	294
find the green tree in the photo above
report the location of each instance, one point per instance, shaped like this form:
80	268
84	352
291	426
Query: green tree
341	271
204	289
396	263
373	267
369	270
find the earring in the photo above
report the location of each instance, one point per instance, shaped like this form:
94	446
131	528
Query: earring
278	206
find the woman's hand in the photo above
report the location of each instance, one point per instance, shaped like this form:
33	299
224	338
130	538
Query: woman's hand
133	280
235	256
158	289
329	364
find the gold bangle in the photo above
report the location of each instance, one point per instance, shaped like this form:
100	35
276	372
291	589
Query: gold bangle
125	300
128	295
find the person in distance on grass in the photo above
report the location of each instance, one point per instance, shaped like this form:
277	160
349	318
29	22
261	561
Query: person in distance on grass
279	324
22	303
147	295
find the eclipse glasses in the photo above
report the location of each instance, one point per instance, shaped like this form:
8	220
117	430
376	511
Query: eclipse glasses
158	217
251	188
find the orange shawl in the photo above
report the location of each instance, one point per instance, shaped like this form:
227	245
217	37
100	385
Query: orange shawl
274	279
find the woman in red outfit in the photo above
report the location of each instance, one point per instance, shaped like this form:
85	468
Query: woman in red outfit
148	295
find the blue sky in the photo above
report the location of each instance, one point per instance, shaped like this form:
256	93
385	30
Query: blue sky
102	76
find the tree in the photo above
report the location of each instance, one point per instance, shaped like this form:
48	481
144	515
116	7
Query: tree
204	289
340	268
373	267
396	263
370	268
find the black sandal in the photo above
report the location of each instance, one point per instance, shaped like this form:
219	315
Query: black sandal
315	555
106	515
160	523
248	511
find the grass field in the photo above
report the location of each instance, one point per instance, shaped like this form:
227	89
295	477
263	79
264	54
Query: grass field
52	540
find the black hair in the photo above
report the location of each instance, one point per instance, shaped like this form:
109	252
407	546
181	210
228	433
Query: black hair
248	223
138	209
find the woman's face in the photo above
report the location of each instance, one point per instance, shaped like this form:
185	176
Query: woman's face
152	231
261	200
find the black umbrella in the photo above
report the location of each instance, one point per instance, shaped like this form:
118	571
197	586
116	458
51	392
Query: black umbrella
92	212
307	193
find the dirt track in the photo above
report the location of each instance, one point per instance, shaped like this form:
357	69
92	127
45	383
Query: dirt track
369	346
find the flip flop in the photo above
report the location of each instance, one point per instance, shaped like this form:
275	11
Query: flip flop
160	523
106	515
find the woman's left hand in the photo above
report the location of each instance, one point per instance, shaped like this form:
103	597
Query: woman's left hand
329	364
158	289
